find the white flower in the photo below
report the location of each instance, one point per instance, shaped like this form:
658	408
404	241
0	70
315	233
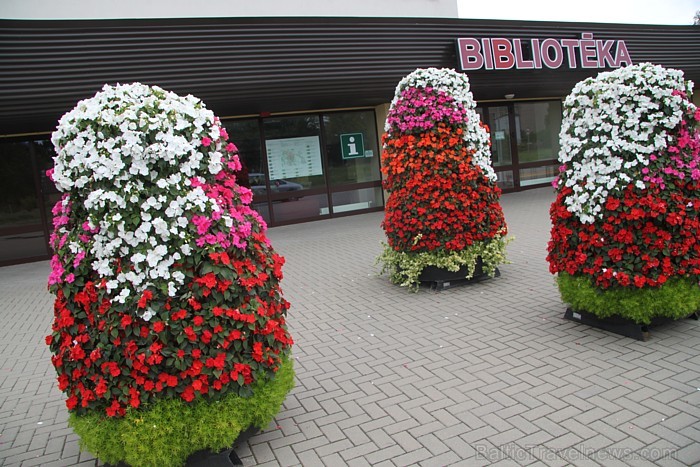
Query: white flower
128	156
626	114
148	314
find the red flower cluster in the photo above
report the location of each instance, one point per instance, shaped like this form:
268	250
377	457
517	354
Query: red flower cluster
439	199
227	331
642	239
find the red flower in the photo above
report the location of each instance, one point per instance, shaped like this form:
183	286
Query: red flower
112	368
188	394
115	409
126	320
191	335
72	402
180	314
257	352
145	298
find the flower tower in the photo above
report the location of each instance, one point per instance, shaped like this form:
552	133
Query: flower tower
169	333
624	239
443	208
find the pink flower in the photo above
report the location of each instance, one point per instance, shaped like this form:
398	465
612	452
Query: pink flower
202	223
60	220
206	141
223	133
230	147
49	173
234	164
78	258
56	270
70	278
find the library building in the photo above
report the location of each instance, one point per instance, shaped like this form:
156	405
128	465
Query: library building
304	98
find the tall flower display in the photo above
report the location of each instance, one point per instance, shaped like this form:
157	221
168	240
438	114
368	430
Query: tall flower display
167	288
443	208
625	225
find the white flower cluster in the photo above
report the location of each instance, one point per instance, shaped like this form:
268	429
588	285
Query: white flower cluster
129	155
455	85
612	125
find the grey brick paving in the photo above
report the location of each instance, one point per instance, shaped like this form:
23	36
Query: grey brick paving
485	374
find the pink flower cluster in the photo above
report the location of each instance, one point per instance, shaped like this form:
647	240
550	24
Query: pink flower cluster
61	220
235	201
419	109
683	161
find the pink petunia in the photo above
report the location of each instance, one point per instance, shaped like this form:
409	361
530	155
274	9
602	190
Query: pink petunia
206	141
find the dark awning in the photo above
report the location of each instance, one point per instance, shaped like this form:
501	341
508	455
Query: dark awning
251	65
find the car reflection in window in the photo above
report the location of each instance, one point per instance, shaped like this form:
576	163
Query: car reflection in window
257	184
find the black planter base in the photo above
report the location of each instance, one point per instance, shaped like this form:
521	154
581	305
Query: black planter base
206	458
442	279
225	458
617	324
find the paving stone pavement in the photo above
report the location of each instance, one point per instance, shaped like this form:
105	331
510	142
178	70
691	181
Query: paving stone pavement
483	374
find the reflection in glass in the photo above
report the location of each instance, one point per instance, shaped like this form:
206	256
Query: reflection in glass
505	179
21	228
245	134
295	209
538	175
499	125
293	152
351	147
355	200
537	126
263	209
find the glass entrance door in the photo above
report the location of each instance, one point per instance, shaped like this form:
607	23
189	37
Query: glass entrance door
524	142
310	166
501	141
26	199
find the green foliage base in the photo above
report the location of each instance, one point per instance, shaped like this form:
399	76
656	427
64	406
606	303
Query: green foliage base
169	431
677	298
405	267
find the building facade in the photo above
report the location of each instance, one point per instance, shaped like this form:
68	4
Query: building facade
304	98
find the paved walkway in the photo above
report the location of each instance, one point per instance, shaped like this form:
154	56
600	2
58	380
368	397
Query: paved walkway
483	374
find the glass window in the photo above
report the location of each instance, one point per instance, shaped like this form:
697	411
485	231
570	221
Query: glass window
355	200
499	124
301	208
505	179
245	134
537	126
293	150
538	175
351	147
21	227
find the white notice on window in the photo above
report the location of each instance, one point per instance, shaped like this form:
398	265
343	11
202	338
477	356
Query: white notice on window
294	157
